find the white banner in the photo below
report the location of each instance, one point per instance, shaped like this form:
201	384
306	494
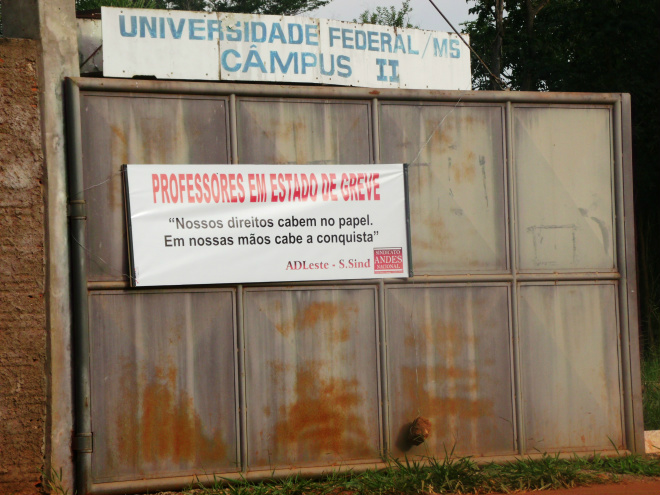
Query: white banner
250	47
216	224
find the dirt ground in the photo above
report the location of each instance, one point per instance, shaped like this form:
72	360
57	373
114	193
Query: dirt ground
650	486
633	486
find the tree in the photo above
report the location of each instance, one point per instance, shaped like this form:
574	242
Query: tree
272	7
513	44
388	16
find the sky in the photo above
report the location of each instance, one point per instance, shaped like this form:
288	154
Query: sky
423	13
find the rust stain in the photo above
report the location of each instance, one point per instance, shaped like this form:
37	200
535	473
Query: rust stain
322	420
374	92
463	172
450	393
420	396
455	372
317	311
410	341
335	320
119	135
433	234
169	427
443	139
278	368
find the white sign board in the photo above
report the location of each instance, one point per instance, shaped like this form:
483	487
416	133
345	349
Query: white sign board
250	47
215	224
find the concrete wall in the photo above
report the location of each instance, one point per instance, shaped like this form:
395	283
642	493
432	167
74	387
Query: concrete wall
22	271
46	426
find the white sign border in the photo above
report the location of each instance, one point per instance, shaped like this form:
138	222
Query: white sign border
408	266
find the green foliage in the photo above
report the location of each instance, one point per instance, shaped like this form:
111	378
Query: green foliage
273	7
388	16
651	390
53	482
97	4
451	475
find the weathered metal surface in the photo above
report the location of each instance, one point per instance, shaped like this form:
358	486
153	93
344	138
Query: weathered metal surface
456	180
570	384
450	361
627	264
290	131
311	376
312	362
163	388
124	129
564	187
147	86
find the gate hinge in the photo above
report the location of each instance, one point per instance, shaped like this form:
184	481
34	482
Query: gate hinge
83	442
77	208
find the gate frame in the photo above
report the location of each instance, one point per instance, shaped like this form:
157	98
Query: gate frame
625	275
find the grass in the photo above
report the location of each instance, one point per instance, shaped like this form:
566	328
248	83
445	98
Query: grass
651	389
52	482
451	475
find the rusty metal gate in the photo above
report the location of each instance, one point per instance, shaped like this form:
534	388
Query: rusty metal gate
517	334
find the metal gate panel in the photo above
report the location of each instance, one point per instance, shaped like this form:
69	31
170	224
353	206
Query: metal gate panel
449	360
311	376
564	183
456	181
293	131
163	387
493	329
570	385
139	129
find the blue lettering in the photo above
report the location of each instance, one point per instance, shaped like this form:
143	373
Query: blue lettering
223	60
161	25
398	44
394	64
292	39
258	37
332	66
284	68
360	40
386	41
276	33
373	41
454	49
234	32
410	48
334	35
254	60
347	68
213	26
122	27
381	69
176	32
310	64
311	31
192	29
145	25
346	38
438	49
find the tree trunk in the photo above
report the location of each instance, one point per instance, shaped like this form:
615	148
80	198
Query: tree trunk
496	47
529	77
